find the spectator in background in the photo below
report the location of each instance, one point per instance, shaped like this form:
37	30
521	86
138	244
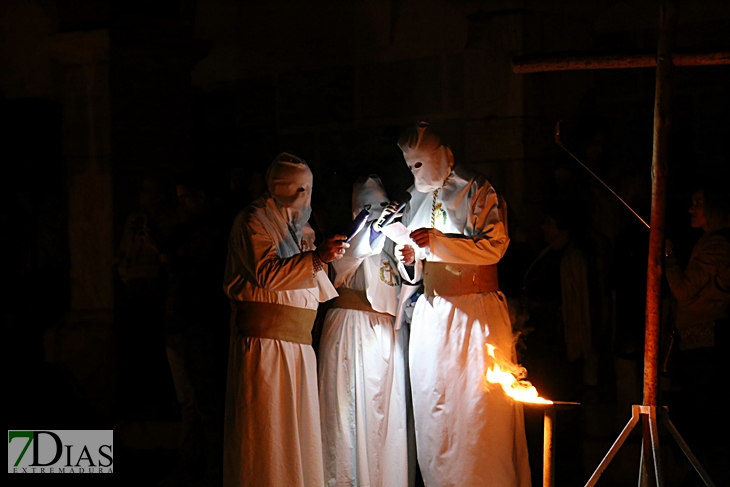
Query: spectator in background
140	342
244	186
702	294
138	257
196	325
563	297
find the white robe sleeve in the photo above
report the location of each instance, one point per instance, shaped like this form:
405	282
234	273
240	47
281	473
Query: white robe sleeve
417	272
360	246
255	249
485	242
360	249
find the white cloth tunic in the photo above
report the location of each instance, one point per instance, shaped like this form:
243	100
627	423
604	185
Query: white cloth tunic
362	376
466	435
272	426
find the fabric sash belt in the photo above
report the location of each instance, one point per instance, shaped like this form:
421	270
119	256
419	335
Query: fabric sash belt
354	299
274	321
444	279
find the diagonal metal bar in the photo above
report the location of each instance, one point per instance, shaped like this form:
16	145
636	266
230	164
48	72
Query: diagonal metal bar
687	452
635	415
560	143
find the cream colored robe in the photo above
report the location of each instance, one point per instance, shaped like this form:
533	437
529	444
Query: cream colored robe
362	376
466	435
272	425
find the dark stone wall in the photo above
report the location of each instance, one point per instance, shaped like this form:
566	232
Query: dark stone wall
336	85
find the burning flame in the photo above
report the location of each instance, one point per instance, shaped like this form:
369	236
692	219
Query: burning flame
511	378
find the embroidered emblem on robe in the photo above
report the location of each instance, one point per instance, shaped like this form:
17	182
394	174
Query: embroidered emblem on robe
387	273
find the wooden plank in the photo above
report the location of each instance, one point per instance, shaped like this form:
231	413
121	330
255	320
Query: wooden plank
574	62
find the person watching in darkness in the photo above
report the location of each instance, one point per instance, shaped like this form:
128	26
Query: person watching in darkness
702	320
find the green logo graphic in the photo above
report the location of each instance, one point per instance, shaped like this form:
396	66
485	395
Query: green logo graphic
21	434
72	451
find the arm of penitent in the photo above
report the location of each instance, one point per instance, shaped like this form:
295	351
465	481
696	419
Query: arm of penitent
487	239
258	252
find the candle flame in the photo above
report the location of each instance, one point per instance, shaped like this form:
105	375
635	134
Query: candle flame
511	378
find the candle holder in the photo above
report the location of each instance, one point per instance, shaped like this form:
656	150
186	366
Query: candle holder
548	444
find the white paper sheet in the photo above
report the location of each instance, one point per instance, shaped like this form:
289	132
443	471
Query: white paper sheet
399	234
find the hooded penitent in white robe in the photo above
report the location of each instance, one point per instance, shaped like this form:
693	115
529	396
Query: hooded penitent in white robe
272	426
466	434
362	369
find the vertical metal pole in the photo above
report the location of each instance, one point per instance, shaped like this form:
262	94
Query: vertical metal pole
548	449
662	98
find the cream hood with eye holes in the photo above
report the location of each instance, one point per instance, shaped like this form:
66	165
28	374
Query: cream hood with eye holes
429	160
369	194
289	180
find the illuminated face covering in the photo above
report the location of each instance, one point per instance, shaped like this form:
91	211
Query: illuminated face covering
290	183
369	194
429	160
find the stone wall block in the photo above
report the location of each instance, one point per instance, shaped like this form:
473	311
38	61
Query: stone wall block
316	97
399	89
84	60
90	238
495	139
491	88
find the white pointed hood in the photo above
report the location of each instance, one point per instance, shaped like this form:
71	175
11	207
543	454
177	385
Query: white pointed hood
289	180
428	159
369	194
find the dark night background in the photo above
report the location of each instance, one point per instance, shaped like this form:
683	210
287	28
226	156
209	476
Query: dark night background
98	95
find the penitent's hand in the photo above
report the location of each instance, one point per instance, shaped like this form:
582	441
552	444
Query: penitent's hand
332	248
405	254
422	237
387	211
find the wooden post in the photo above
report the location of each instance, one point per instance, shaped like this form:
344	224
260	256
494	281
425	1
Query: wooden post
548	448
662	99
658	202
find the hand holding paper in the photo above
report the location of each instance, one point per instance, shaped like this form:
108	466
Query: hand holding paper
405	254
422	237
399	234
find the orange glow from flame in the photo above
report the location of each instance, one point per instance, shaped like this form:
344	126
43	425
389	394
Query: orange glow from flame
510	377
